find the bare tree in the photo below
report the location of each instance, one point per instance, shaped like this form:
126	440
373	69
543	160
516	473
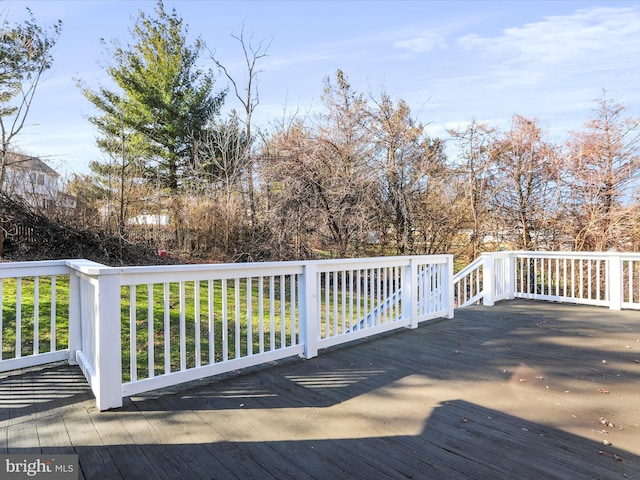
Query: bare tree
26	53
405	161
526	179
441	214
321	180
249	97
603	163
287	176
473	170
341	172
219	165
122	176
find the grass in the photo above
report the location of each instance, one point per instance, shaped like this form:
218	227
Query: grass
21	297
221	320
231	318
210	310
34	292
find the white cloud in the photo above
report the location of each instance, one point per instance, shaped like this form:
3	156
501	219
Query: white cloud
597	34
426	42
550	65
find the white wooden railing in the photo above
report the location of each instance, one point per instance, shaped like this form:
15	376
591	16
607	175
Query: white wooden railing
209	319
494	270
608	279
30	325
134	329
468	284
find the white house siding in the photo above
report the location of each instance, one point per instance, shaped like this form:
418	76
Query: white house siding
31	179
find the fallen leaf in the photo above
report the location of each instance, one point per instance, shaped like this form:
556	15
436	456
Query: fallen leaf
464	420
606	442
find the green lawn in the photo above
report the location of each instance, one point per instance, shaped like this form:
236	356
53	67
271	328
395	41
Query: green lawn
233	321
230	313
277	327
32	288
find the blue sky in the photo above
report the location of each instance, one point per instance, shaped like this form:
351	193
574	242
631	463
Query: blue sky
451	61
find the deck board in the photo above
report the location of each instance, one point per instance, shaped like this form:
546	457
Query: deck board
516	390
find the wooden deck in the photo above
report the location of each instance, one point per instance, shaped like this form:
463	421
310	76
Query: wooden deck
514	391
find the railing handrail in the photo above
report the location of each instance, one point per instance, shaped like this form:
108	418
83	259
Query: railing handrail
571	254
131	275
26	269
329	265
468	269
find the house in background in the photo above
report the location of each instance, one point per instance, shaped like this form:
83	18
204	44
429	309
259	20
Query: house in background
34	181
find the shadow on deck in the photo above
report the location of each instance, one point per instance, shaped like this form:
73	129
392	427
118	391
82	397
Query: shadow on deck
518	390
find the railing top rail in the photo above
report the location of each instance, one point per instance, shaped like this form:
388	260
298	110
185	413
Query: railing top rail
177	273
501	254
468	269
572	254
30	269
52	267
347	263
132	275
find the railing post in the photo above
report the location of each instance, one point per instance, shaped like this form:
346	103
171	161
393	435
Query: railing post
511	272
108	345
410	293
488	279
75	330
309	325
615	282
450	288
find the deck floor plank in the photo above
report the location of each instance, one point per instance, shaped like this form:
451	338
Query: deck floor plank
516	390
189	428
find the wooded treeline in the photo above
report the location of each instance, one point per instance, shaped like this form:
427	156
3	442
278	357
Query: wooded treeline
364	178
360	177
